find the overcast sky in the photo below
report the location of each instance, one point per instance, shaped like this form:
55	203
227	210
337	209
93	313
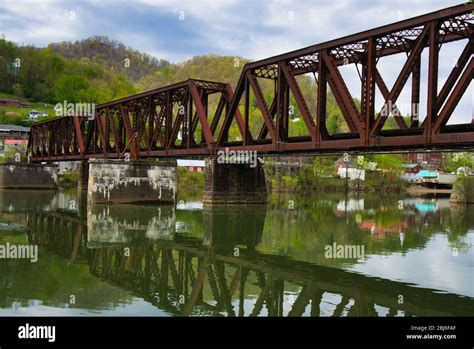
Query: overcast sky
178	30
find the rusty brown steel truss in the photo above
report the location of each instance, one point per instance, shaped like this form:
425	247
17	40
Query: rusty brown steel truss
177	120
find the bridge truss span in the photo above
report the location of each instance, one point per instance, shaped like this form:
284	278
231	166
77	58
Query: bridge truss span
198	118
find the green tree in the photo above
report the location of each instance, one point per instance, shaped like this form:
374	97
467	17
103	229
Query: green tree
70	88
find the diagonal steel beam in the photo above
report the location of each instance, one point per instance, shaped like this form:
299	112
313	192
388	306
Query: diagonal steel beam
385	94
301	302
218	113
263	130
100	127
455	73
233	111
302	106
343	97
79	137
130	134
238	116
179	119
197	287
401	80
455	97
202	115
262	105
114	131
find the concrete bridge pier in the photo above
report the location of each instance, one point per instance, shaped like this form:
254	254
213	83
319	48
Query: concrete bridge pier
28	176
118	181
234	184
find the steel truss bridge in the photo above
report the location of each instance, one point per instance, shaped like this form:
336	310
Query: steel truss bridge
177	120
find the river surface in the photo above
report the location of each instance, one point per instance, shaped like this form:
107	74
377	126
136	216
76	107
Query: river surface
314	255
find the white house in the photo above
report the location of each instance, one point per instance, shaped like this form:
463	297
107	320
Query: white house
192	165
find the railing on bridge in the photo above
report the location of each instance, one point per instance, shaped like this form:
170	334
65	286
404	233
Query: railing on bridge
176	120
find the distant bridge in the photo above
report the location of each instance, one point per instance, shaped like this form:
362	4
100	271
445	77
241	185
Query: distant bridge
176	120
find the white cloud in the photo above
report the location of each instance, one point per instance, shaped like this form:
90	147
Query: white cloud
39	22
436	267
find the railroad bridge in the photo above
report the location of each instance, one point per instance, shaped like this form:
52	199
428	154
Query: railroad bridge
197	118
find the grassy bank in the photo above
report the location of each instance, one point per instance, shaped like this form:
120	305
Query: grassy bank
306	180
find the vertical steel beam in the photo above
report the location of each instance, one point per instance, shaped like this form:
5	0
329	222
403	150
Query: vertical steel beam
218	113
189	123
247	111
431	107
282	107
369	93
321	130
168	118
415	94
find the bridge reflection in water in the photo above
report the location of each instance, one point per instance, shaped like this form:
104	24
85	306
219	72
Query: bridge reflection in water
156	254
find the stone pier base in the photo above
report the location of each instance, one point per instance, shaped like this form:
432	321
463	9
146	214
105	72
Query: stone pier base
112	181
463	191
234	184
83	175
28	176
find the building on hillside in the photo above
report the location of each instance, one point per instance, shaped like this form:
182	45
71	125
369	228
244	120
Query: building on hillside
412	168
410	171
192	165
14	131
13	136
340	164
351	173
290	165
426	160
425	174
5	144
9	102
12	102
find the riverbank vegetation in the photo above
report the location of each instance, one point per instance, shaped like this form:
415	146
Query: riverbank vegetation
321	175
190	184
